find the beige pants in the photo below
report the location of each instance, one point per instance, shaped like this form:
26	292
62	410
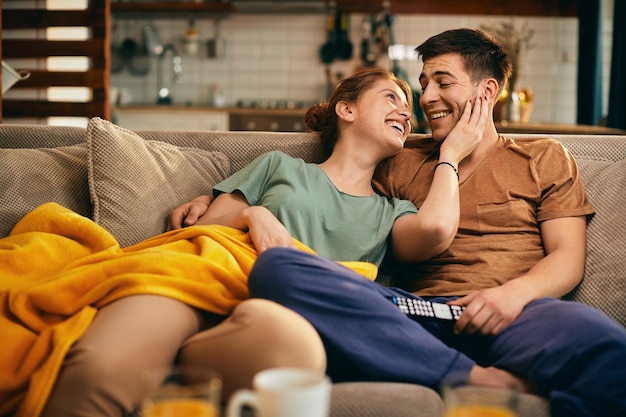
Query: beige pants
100	373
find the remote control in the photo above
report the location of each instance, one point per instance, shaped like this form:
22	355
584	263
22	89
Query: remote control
426	309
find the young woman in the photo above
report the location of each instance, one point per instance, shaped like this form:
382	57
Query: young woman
330	207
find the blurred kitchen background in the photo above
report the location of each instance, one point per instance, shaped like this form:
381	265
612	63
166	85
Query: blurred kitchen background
211	69
267	58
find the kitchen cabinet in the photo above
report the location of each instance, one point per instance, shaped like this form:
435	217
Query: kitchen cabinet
172	7
475	7
170	118
272	120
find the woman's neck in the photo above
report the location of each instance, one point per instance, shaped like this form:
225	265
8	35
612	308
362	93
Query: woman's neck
350	172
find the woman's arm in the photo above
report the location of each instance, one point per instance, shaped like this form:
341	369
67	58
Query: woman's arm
233	210
430	231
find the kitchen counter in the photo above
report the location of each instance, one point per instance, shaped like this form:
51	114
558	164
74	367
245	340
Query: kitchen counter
555	128
139	117
247	118
167	108
182	117
229	109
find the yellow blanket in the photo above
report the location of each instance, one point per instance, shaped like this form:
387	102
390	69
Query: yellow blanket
57	268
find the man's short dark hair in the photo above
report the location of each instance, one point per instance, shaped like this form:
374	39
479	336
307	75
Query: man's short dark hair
482	54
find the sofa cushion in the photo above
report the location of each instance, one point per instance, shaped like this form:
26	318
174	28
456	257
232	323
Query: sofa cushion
135	183
603	286
31	177
375	399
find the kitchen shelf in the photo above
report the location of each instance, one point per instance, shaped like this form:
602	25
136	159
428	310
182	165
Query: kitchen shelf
166	9
476	7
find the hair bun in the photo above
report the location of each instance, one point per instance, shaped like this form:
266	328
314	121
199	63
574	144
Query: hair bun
315	116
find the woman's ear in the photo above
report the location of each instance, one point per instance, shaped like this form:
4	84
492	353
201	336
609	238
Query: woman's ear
344	111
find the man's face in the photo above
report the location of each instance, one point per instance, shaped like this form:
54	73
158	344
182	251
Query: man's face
446	88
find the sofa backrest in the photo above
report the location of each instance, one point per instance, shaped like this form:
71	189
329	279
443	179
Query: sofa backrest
53	167
602	164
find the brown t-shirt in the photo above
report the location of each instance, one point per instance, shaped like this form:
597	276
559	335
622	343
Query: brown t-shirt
520	184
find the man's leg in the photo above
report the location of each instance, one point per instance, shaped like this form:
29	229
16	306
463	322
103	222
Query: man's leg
365	335
100	375
258	335
572	353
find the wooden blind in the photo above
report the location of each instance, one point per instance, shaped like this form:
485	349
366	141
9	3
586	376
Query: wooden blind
96	18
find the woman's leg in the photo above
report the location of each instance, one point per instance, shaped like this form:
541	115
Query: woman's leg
100	375
258	335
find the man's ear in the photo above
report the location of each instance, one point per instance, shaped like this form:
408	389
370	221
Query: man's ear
491	90
344	111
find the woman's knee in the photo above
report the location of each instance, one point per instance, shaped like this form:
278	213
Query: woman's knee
260	334
285	336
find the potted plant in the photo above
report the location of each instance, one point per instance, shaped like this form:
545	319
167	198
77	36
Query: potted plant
516	103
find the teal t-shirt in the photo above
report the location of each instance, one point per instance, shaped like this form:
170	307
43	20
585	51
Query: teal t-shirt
336	225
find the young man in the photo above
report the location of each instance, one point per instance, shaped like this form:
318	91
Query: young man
520	246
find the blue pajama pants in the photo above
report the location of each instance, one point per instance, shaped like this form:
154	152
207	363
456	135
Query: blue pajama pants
573	354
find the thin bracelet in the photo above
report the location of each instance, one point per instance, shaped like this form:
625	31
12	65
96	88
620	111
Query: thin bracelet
456	171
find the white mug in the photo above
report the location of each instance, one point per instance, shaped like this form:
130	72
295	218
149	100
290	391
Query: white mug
285	392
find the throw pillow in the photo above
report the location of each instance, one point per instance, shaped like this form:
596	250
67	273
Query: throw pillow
135	183
603	285
31	177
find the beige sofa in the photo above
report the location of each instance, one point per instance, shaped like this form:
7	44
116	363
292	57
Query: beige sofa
129	181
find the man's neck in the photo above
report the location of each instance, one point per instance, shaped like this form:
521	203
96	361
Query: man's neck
486	146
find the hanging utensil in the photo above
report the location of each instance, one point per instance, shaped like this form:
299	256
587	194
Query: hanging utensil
343	47
369	46
216	47
328	49
366	37
117	63
151	41
399	72
191	38
381	39
135	59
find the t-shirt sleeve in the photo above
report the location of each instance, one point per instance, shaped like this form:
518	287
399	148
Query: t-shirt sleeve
252	179
562	191
403	207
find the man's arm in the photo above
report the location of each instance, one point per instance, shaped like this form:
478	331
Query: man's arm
187	214
490	311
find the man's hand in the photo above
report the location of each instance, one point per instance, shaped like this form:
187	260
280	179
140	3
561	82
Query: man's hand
489	311
189	213
492	310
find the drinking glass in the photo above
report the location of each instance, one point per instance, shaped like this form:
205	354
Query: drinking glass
463	400
180	391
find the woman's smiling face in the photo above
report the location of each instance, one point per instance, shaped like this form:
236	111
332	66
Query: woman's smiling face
384	112
446	88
